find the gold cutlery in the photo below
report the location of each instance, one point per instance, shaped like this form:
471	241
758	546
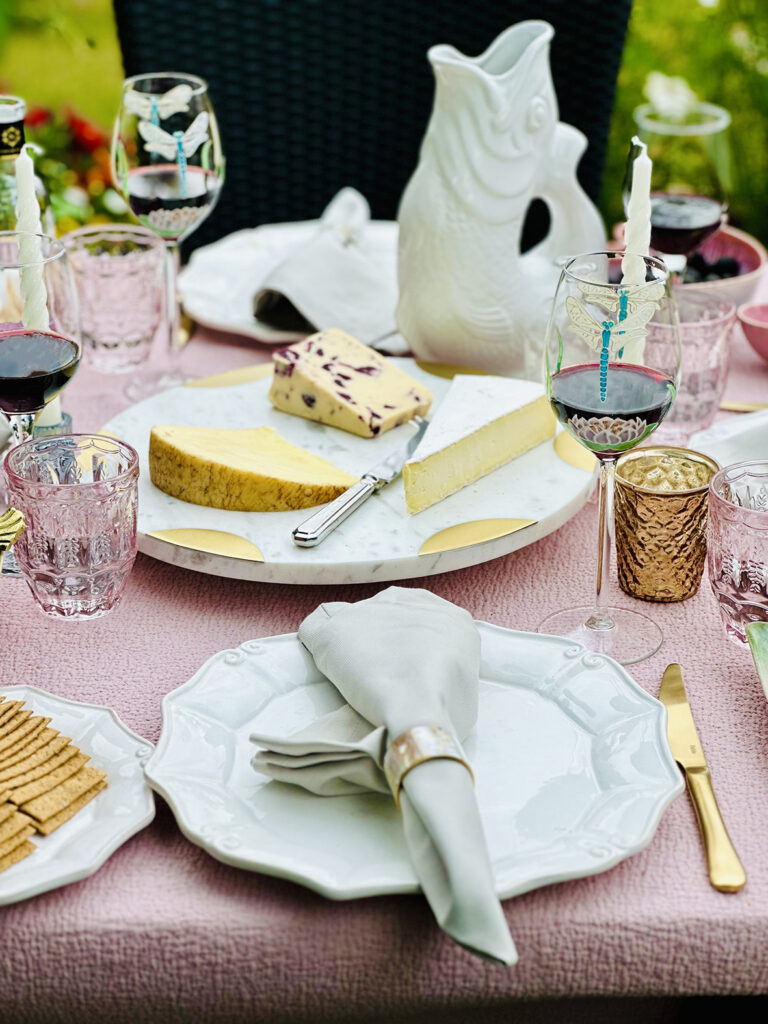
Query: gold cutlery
726	872
736	405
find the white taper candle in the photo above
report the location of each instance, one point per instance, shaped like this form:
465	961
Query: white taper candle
33	293
637	233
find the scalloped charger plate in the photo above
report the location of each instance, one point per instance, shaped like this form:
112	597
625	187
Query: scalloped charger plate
81	845
570	756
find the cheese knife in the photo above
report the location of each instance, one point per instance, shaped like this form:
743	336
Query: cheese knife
316	528
726	872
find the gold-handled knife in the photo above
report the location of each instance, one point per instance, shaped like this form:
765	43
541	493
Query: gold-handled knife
726	872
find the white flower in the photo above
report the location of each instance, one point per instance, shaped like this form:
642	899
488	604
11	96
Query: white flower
670	97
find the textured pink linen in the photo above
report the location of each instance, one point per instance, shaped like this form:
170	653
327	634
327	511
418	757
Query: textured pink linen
165	933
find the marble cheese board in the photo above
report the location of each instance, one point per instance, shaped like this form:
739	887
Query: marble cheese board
380	542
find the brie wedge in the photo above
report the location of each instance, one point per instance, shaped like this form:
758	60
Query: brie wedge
482	423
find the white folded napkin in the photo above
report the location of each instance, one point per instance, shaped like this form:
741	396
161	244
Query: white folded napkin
338	279
401	659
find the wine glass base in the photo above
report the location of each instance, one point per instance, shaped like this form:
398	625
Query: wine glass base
633	637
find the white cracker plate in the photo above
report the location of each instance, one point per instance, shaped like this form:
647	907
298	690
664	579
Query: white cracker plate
81	845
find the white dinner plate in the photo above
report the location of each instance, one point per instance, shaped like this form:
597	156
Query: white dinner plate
378	542
738	439
218	284
81	845
570	757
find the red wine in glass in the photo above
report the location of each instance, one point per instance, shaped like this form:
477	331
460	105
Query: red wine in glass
637	399
680	223
34	367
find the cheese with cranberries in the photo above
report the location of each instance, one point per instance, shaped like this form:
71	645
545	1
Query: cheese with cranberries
334	379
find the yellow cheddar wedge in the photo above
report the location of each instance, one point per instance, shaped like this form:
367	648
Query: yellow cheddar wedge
252	470
334	379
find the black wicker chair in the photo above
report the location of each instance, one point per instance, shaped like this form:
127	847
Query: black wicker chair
312	95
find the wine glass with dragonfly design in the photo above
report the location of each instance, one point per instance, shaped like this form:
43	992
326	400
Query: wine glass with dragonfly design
167	164
610	391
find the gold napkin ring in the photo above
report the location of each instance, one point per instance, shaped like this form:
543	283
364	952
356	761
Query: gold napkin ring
415	746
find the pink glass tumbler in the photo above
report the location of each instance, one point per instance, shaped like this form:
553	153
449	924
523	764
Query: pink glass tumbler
79	497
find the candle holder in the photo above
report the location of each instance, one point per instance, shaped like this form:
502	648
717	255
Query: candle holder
661	521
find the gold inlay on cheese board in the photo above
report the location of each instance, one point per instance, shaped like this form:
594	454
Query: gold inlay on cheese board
464	535
231	378
212	542
570	451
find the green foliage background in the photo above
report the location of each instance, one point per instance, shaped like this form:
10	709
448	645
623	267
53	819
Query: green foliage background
57	52
721	49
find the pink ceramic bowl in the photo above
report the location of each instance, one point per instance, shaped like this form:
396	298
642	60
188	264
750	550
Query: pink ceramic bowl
749	254
754	321
726	241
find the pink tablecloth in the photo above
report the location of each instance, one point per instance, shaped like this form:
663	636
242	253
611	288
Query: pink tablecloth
165	933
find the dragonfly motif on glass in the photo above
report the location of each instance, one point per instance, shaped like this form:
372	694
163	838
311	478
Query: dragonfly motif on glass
610	336
179	146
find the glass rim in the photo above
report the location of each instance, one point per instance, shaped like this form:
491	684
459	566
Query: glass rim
636	453
614	254
200	84
56	244
740	467
706	302
129	230
15	453
649	120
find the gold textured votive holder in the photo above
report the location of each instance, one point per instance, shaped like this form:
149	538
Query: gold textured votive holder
660	512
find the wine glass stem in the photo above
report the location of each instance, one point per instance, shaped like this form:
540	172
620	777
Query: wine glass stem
174	348
599	619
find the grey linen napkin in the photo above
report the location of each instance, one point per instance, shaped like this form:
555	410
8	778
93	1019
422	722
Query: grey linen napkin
400	659
338	279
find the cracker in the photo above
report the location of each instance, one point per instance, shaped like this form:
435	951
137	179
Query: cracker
9	709
17	840
38	741
12	724
5	795
12	825
16	855
46	827
40	755
25	735
50	780
6	810
53	802
40	770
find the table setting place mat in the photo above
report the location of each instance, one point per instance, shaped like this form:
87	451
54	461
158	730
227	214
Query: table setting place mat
395	745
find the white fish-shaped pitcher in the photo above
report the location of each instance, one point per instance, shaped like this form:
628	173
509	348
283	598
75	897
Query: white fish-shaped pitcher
493	144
